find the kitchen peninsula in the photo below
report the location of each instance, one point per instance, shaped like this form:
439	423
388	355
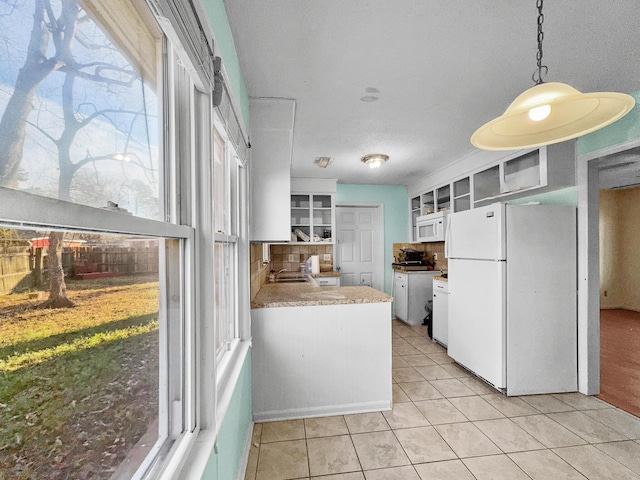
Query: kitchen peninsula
320	351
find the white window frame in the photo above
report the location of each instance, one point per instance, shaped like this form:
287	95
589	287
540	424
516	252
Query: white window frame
228	357
177	402
216	378
25	210
187	199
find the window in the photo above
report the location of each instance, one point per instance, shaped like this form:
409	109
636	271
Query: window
79	387
225	201
91	132
117	178
121	348
83	181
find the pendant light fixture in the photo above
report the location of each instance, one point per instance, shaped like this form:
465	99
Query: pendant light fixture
550	112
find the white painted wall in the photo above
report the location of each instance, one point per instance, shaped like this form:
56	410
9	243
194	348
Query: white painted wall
610	255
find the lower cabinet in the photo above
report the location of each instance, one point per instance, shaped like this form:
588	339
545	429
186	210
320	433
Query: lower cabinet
328	281
400	296
412	295
441	312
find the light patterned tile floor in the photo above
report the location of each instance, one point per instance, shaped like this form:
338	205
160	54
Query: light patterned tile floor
447	424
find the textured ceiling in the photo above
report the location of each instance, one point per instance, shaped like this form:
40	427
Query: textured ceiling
439	69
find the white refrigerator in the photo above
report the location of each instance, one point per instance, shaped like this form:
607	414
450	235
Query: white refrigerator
513	296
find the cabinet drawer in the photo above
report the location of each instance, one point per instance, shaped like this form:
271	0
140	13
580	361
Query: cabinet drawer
440	287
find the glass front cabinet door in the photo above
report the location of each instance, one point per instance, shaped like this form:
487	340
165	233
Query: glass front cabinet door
312	218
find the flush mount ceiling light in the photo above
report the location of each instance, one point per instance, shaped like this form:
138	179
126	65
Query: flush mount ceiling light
323	162
550	112
375	160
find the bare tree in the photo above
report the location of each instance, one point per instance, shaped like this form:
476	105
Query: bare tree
14	119
36	68
63	30
57	288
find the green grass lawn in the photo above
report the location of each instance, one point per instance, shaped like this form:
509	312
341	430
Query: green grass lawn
78	387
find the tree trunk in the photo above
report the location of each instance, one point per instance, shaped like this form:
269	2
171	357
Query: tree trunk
13	123
65	142
37	271
14	120
57	287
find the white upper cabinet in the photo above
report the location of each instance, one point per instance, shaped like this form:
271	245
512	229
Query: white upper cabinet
461	195
313	210
272	121
481	179
541	170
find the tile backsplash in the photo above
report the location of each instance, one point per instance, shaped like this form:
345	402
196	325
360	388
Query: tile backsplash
429	249
289	257
259	269
283	257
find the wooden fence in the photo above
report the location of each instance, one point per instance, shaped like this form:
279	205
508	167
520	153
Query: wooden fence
23	267
125	261
15	268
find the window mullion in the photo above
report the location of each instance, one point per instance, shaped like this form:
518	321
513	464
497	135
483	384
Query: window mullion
29	210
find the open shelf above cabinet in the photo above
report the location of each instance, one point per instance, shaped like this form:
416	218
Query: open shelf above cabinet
543	169
462	194
312	218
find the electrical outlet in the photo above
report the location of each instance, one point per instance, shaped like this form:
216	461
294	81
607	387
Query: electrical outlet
326	257
435	256
290	258
605	293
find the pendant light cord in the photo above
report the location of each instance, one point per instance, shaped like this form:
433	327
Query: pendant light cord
538	74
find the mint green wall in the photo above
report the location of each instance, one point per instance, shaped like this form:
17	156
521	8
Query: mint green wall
220	24
396	215
625	129
232	436
565	196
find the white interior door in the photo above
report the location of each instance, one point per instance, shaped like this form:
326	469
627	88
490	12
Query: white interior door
360	246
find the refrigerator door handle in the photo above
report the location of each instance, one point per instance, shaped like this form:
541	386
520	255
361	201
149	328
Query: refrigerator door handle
447	239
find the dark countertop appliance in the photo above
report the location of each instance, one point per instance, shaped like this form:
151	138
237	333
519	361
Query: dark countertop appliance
409	256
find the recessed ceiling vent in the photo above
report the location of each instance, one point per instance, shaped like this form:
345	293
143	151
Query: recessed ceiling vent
323	162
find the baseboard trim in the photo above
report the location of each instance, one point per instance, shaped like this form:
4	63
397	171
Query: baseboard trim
245	453
322	411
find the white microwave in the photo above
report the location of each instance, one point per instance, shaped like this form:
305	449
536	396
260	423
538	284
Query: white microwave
431	228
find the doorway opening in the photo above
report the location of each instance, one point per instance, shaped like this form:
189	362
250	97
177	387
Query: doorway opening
619	278
619	361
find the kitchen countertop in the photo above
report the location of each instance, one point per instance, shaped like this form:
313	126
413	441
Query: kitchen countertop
311	294
441	278
413	268
326	274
